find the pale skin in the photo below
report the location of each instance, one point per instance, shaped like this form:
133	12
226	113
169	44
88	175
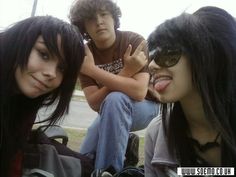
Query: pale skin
182	89
101	29
129	81
42	74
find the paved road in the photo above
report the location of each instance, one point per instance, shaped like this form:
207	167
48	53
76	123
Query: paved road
80	116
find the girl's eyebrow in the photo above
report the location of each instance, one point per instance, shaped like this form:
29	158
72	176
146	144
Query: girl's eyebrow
41	41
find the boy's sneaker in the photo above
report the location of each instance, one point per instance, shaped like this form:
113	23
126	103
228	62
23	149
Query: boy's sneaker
109	172
132	150
102	173
106	174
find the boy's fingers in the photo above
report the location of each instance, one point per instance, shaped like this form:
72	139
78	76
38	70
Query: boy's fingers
140	47
128	51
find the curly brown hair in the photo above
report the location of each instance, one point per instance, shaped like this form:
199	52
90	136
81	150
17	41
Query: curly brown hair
82	10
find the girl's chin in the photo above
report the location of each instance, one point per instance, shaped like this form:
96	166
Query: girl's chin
33	94
164	99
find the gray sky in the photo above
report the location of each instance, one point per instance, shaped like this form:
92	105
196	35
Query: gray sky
141	16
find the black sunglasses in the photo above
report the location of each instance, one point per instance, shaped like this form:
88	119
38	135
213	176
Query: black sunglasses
165	57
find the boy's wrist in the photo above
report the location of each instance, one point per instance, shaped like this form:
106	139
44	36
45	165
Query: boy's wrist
125	72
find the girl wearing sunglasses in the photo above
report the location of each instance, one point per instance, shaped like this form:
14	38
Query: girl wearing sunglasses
193	72
40	58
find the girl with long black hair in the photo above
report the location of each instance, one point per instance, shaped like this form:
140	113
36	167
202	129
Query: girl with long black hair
40	58
193	69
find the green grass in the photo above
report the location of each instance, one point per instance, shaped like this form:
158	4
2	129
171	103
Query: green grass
76	137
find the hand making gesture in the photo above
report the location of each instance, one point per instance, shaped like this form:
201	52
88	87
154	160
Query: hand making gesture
135	62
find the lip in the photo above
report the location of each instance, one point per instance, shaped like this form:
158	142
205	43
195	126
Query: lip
161	82
159	77
40	84
101	30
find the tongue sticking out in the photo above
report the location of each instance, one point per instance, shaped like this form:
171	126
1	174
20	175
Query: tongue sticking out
161	85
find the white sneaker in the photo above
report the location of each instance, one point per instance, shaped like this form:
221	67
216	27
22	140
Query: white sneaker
106	174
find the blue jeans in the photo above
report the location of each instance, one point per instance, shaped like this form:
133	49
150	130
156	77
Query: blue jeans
107	137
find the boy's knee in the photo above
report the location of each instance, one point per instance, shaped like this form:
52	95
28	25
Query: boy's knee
116	101
116	97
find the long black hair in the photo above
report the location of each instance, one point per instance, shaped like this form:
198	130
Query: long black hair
16	44
208	37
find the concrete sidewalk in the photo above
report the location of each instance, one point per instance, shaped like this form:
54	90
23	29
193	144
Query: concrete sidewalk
78	93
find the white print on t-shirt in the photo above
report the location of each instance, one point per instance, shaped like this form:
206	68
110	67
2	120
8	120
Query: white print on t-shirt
113	67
